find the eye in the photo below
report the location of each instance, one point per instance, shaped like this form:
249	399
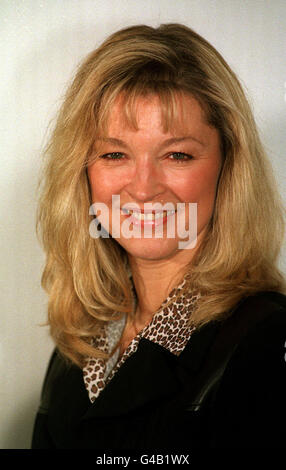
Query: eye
112	156
180	157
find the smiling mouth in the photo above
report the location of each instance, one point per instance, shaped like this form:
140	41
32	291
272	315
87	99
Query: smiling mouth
147	216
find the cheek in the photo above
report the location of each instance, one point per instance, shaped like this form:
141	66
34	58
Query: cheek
206	194
103	185
196	186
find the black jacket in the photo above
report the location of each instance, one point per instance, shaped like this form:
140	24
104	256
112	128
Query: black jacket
227	389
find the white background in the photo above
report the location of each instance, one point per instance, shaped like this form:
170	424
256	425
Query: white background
41	43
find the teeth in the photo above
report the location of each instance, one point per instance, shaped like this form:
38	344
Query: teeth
148	216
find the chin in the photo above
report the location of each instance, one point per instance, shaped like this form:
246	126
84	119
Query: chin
151	249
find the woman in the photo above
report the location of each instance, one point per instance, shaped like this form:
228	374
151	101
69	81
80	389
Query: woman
169	339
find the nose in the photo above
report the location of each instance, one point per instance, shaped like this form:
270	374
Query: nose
146	182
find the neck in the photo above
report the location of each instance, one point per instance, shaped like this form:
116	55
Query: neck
153	281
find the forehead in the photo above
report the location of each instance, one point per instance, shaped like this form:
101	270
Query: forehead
173	114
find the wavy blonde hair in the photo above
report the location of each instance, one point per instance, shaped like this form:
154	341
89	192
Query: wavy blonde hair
87	279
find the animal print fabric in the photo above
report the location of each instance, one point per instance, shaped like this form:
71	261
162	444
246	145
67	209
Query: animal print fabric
169	328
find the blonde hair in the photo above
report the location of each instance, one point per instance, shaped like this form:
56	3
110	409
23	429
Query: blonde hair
87	279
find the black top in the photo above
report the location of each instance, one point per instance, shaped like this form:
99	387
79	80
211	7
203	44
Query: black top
227	389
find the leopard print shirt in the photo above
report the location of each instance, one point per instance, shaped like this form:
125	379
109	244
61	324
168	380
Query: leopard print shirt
169	328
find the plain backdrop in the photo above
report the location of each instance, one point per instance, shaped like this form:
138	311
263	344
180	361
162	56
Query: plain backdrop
41	44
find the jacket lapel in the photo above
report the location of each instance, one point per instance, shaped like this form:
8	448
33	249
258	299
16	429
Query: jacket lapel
145	376
151	374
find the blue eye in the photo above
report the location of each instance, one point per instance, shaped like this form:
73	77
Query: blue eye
180	157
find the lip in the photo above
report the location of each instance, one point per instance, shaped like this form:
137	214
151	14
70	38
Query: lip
142	210
148	207
154	218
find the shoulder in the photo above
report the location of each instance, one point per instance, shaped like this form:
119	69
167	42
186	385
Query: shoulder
266	330
58	368
265	336
258	331
63	399
250	400
254	315
265	302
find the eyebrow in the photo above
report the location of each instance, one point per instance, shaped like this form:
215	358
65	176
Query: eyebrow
112	140
172	140
175	140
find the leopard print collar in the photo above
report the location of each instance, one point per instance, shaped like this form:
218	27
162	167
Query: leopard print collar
169	328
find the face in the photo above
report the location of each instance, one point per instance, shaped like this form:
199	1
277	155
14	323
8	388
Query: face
153	165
